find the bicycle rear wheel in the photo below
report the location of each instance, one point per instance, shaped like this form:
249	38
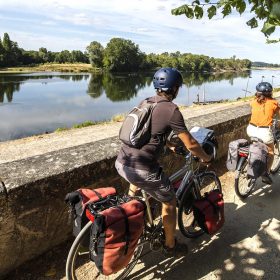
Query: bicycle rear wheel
189	227
243	184
276	161
80	267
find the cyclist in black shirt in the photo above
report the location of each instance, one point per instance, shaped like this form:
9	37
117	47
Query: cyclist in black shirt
140	167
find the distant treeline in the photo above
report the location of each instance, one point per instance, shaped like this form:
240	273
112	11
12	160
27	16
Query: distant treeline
119	55
264	64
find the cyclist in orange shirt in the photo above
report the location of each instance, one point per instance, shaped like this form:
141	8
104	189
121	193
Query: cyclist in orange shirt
264	108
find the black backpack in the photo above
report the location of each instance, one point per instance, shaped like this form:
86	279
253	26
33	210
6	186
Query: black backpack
136	128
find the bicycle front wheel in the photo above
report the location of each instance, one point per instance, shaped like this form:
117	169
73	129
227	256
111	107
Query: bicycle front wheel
243	184
80	267
276	161
189	227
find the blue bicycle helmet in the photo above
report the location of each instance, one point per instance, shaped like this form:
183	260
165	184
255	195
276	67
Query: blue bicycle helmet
166	78
264	87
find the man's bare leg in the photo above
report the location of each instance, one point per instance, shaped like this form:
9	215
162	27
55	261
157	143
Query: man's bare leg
169	222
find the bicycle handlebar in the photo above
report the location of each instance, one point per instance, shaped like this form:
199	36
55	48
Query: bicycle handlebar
181	150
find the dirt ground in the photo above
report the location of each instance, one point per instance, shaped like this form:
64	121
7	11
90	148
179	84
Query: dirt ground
247	247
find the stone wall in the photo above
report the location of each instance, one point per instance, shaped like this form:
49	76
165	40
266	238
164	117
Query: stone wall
33	216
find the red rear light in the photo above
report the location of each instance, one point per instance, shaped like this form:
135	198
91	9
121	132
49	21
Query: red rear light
243	154
89	215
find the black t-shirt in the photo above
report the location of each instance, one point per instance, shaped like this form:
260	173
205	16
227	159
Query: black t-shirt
165	118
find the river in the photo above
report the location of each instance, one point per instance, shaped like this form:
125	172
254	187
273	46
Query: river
41	102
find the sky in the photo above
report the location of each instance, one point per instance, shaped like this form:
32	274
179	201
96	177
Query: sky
72	25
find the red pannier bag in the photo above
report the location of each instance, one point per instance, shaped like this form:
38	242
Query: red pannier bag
78	201
209	212
114	235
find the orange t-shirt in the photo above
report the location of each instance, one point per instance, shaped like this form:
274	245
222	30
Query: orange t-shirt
262	113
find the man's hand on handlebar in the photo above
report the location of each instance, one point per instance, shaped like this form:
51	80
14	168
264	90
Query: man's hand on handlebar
207	161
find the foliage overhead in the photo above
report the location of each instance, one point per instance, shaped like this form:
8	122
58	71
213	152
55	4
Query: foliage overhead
266	12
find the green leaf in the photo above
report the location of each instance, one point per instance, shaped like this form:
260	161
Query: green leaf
226	10
189	12
268	28
275	11
212	11
272	41
240	7
261	12
198	11
253	23
179	11
197	2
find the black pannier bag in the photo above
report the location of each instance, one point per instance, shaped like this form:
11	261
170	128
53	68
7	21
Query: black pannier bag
232	157
78	201
257	160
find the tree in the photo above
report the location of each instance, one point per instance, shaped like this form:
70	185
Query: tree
95	51
1	54
43	54
78	56
266	10
7	43
63	57
122	55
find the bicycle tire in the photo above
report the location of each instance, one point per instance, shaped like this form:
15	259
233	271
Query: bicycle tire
185	205
276	161
86	269
243	185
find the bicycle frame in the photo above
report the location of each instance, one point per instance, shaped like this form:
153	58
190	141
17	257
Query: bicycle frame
186	173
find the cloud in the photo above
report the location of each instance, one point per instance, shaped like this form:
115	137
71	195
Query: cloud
68	23
161	8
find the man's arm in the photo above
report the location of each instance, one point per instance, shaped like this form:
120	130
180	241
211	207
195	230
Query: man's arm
193	146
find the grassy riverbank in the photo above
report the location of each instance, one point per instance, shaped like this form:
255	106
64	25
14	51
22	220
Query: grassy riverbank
78	68
51	67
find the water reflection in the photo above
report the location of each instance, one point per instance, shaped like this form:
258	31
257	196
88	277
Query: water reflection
116	87
120	88
11	83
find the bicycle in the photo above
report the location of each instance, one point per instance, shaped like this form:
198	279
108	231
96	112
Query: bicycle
190	183
244	184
